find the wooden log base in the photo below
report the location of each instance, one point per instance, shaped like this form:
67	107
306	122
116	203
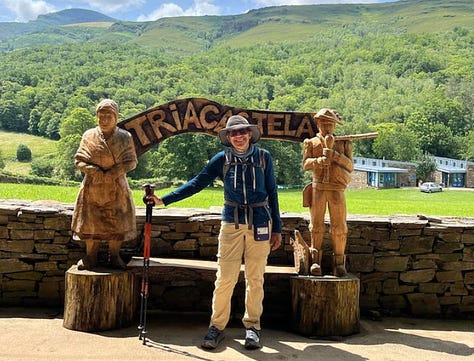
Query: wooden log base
325	306
99	300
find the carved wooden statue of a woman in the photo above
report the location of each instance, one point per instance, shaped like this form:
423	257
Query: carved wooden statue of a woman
104	210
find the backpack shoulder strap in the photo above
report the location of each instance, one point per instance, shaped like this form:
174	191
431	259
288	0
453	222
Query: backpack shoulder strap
261	156
227	162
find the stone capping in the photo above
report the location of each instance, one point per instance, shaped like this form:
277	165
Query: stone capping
407	265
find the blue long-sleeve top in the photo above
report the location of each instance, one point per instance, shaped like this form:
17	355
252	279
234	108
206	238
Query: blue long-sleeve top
245	183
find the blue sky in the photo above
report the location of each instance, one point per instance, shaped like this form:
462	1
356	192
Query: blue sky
148	10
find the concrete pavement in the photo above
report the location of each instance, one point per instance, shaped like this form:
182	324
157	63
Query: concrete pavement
38	334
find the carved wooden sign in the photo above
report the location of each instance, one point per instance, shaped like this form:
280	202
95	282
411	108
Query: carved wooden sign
198	115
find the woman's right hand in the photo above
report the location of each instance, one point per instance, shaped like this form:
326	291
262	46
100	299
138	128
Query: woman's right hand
155	199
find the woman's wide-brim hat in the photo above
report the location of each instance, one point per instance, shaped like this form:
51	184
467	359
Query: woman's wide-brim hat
236	122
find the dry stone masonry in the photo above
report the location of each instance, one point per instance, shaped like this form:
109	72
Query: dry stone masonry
407	265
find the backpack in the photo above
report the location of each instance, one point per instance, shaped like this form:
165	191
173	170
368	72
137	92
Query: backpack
228	161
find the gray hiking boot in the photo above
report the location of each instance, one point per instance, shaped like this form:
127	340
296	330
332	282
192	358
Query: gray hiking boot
252	339
212	339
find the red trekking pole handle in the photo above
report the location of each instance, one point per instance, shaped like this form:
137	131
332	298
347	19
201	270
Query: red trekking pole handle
149	190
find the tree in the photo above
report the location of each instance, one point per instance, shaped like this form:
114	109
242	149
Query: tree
71	131
287	157
43	166
426	167
468	146
395	142
64	163
77	123
23	153
182	157
434	138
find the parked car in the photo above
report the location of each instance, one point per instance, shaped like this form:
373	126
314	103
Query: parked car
430	187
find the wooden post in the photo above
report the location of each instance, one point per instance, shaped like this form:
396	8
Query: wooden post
99	300
325	306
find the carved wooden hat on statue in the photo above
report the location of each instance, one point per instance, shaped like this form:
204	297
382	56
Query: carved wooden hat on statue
108	104
328	115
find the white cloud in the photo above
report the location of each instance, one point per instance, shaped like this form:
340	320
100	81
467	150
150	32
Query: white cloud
199	8
25	10
265	3
112	6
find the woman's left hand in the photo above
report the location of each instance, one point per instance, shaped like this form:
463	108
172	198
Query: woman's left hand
275	241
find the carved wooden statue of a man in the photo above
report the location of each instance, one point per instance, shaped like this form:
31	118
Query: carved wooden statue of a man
331	163
104	208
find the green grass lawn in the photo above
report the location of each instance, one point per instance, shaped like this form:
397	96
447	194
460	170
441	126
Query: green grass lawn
384	202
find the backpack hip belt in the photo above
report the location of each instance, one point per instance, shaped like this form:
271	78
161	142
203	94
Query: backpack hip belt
250	207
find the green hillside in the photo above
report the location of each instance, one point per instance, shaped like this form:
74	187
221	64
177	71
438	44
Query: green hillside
187	35
296	23
9	143
404	69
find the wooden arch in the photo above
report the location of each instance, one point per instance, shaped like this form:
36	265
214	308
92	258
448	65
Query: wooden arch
198	115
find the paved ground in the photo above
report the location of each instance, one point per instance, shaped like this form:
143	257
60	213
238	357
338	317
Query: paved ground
38	334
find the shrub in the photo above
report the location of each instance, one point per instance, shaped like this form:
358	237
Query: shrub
43	167
23	153
2	161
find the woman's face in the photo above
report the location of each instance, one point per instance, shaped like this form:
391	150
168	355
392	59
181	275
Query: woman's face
240	139
107	120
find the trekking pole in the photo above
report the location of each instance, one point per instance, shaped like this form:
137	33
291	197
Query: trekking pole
149	189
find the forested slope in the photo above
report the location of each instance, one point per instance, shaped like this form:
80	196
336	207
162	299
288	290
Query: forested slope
405	69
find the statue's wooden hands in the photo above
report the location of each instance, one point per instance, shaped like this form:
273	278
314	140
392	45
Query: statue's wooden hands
326	159
321	161
328	153
115	172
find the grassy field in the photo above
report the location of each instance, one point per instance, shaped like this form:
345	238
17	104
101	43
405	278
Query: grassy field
9	143
450	202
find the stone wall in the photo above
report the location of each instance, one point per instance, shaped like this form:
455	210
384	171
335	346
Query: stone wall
358	180
406	265
469	182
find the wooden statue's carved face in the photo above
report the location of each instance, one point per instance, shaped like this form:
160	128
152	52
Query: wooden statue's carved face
326	126
107	120
240	139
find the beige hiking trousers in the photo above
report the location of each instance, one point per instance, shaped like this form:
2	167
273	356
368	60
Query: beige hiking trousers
233	245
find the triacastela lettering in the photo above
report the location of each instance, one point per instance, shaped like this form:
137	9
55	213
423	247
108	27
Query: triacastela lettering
199	115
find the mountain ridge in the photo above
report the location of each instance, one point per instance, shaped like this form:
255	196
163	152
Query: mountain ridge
188	34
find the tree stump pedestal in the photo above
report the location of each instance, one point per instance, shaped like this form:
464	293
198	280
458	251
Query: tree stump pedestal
325	306
99	300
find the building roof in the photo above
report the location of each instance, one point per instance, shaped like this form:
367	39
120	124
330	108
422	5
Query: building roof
378	165
449	165
366	168
450	170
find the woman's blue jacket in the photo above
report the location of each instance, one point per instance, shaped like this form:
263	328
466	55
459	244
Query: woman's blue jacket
246	183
